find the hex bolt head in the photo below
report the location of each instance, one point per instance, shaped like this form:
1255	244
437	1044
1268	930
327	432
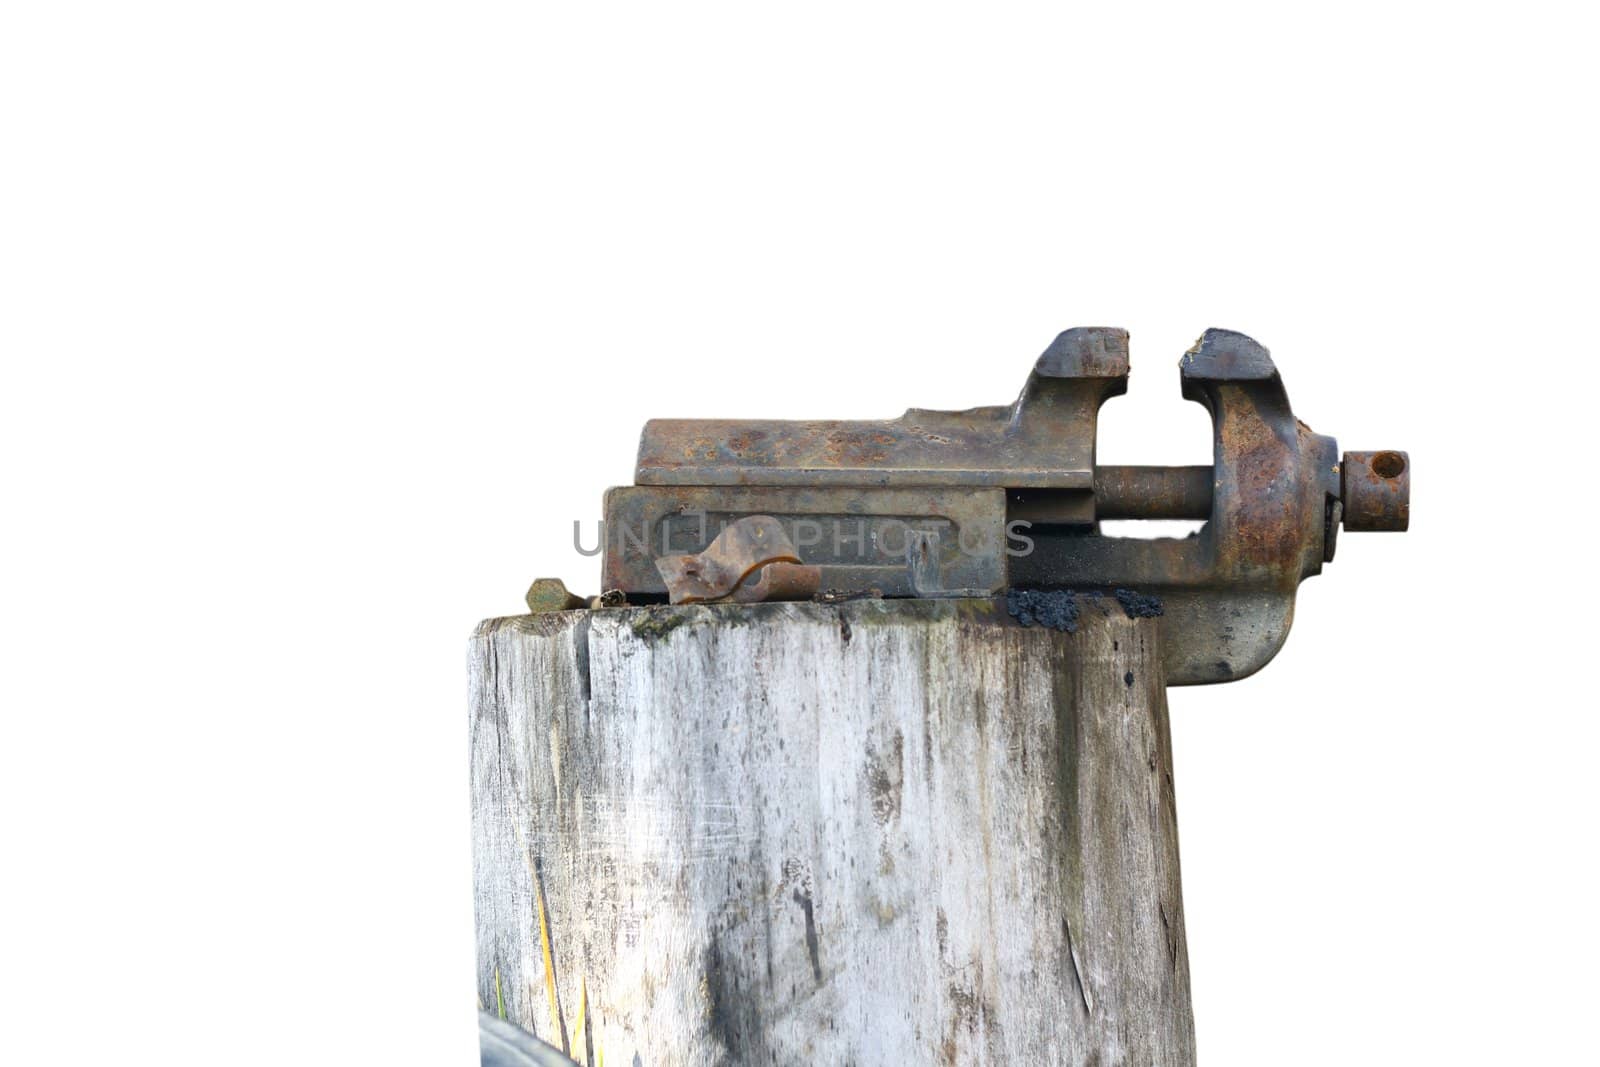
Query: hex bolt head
550	594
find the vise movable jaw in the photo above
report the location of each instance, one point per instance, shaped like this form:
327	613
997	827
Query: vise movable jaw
980	502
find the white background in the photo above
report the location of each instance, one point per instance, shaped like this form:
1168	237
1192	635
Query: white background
323	321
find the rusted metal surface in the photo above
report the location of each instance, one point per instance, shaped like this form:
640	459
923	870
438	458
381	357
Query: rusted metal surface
973	503
550	594
737	551
778	581
1153	492
1376	490
859	540
1043	440
1228	592
750	561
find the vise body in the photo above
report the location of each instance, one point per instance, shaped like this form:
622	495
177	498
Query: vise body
992	500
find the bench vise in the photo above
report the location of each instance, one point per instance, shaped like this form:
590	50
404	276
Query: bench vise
996	500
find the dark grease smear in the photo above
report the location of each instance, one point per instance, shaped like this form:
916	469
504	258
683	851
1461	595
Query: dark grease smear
1055	608
1139	605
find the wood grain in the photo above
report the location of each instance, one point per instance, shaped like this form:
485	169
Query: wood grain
803	833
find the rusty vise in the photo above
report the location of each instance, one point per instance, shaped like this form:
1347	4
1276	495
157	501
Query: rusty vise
993	500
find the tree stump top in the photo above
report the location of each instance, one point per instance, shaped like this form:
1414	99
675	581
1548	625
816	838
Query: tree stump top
856	832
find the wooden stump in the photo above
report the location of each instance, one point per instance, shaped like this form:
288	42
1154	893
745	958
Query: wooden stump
882	831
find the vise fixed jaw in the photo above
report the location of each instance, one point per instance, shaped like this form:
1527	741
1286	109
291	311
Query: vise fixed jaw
980	502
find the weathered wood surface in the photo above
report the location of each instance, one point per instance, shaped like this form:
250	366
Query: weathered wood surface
903	831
